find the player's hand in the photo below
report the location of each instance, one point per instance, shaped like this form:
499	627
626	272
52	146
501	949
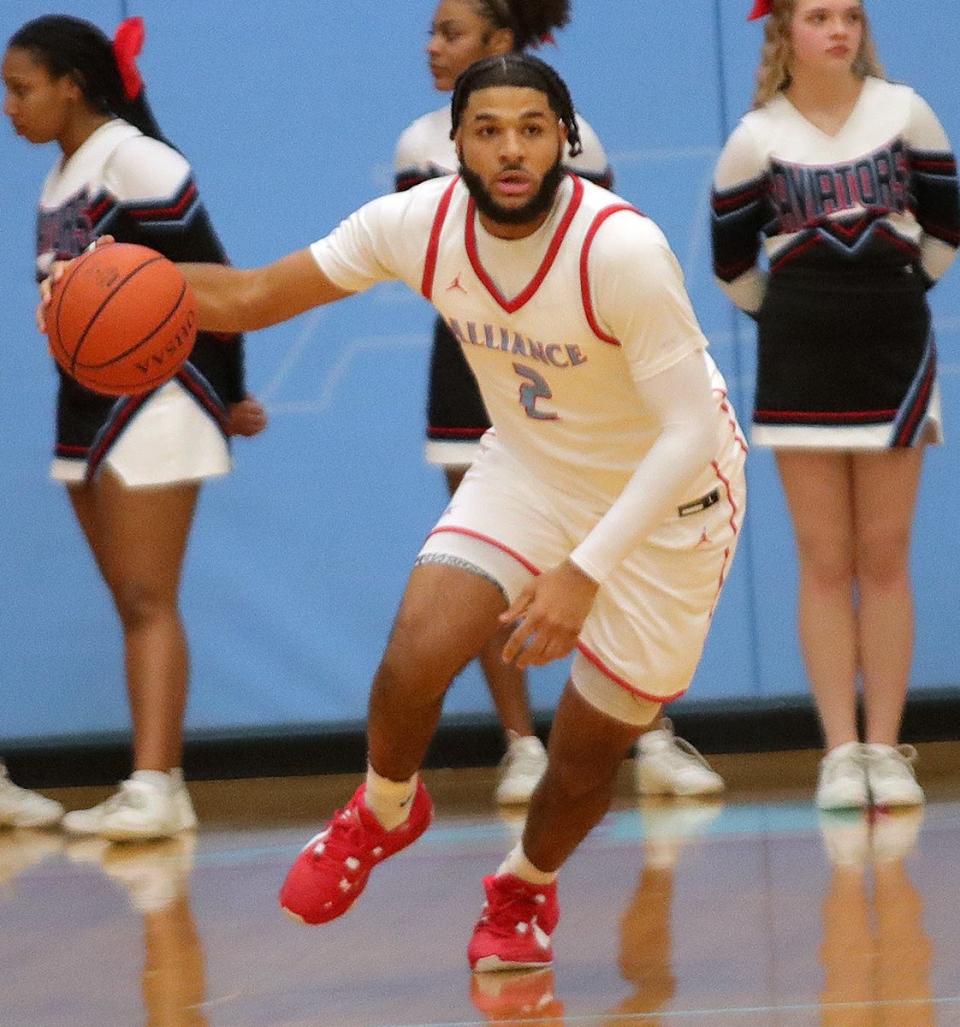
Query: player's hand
549	612
57	270
248	417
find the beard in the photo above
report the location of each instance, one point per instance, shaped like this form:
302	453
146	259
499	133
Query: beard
538	204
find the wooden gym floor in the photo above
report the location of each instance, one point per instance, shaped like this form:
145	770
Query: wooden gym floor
745	912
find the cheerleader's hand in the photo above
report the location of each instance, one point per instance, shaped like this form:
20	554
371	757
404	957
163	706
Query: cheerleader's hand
57	270
248	417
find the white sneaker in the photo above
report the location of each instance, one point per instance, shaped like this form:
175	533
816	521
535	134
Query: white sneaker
842	782
22	808
141	810
667	765
890	775
520	770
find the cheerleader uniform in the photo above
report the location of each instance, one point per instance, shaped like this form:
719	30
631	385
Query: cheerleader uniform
456	416
856	226
139	190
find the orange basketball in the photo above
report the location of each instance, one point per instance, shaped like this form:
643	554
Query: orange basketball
122	319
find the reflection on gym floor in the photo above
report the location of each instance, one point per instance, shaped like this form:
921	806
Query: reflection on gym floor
753	910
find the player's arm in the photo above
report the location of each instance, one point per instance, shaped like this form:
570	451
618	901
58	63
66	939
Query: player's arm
681	404
553	607
235	300
641	301
370	246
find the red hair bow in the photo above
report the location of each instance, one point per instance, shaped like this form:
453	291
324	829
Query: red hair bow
545	40
761	8
127	44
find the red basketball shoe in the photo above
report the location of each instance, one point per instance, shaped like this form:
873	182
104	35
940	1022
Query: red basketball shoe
514	930
332	869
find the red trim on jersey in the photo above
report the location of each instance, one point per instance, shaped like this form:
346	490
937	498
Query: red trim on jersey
729	489
617	680
511	306
584	276
735	527
430	265
490	541
722	581
731	420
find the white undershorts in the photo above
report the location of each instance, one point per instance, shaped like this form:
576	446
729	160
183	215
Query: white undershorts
169	439
650	618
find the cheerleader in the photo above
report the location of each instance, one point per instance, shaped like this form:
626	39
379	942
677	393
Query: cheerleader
848	184
132	466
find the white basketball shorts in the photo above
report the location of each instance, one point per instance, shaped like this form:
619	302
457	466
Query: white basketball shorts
649	621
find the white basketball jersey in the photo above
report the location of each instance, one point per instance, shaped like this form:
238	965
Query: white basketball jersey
540	319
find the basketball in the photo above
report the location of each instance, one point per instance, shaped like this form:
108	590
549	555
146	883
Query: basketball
121	320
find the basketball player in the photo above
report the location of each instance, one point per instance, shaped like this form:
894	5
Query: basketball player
463	31
132	466
601	513
851	183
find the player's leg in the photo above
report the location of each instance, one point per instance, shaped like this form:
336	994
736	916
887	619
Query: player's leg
456	416
525	758
819	493
885	489
139	538
446	615
586	749
639	647
596	724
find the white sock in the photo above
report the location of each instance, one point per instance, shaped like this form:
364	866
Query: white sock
389	801
155	778
517	864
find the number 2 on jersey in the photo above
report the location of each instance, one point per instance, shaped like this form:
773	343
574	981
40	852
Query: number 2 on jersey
535	387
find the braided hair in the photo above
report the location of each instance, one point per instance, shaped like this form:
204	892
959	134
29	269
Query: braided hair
71	46
517	69
530	21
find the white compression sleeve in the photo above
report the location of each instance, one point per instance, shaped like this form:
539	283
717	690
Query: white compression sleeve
681	401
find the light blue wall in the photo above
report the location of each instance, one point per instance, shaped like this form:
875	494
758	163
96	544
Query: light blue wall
289	112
